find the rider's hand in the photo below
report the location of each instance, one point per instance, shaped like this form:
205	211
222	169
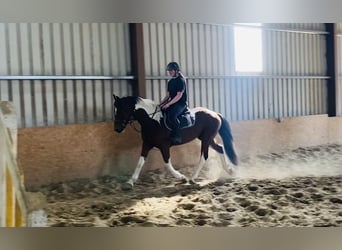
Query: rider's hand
165	106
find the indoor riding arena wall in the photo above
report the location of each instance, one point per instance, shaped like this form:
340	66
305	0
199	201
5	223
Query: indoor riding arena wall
54	154
61	78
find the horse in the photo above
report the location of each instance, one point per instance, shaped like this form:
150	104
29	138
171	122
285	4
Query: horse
155	134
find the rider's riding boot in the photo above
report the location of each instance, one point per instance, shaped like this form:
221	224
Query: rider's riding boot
175	136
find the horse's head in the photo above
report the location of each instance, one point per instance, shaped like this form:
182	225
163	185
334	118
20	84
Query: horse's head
123	112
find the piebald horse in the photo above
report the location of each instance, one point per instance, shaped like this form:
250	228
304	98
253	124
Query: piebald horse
154	134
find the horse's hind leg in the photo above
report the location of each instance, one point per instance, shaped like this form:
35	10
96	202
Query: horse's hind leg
220	149
199	167
204	158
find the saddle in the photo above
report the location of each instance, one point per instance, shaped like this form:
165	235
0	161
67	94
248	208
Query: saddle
186	119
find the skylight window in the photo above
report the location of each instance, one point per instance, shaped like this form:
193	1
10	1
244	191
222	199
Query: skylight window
248	48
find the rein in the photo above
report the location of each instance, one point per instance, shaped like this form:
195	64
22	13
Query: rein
155	112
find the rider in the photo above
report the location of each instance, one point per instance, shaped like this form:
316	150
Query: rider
175	101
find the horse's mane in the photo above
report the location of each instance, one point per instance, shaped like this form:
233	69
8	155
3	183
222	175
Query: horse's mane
138	99
150	106
132	99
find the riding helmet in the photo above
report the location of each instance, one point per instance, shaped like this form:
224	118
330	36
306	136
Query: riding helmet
172	66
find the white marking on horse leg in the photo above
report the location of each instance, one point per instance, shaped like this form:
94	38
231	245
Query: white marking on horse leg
225	164
137	171
173	171
223	156
224	160
200	166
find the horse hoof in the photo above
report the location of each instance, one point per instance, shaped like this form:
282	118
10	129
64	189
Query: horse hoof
127	186
193	182
232	172
184	180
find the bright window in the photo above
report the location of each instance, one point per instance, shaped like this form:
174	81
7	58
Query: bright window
248	48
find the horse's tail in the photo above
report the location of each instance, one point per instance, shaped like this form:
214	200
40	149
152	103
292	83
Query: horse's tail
227	138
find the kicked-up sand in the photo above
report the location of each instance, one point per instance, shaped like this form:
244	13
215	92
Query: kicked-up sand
299	188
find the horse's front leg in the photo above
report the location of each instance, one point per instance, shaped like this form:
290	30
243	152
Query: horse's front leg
144	152
166	156
137	171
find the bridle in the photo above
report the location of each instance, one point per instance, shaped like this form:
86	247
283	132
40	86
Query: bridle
125	122
131	119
